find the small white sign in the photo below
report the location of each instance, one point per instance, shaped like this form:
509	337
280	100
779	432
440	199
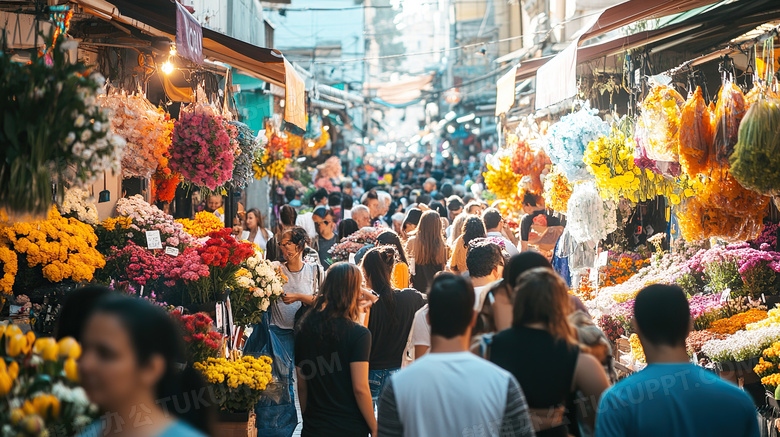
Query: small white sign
153	240
594	277
602	259
725	296
172	251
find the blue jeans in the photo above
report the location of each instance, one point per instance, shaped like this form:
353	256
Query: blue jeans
377	380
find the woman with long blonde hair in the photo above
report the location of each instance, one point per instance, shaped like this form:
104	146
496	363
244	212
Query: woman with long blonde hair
541	351
335	396
427	251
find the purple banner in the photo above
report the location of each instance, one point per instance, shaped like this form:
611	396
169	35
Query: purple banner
189	35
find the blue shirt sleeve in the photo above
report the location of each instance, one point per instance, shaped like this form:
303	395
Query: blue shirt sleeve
610	420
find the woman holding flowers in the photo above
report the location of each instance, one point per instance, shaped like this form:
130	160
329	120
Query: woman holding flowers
331	360
130	370
256	232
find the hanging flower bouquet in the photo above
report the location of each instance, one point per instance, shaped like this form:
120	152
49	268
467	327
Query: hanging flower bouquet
500	179
146	129
755	163
529	163
611	161
728	114
63	248
205	222
203	148
722	208
164	184
77	204
695	134
557	191
275	158
52	131
39	385
590	218
352	244
659	123
249	149
258	284
566	141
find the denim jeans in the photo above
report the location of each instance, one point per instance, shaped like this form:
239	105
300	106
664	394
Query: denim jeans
377	380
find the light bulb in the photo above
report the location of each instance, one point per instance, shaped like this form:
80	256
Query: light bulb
325	112
167	67
451	129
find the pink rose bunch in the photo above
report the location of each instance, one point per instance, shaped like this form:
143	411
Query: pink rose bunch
146	217
189	266
204	147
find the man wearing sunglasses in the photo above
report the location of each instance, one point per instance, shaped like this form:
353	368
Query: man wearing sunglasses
326	236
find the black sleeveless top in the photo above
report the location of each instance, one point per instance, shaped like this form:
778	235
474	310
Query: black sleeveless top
423	276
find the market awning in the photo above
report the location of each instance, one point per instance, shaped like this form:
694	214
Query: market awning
158	18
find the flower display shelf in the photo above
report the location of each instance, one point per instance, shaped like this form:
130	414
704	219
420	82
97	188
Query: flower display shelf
236	424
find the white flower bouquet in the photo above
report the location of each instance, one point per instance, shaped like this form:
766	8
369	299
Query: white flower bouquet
259	284
743	345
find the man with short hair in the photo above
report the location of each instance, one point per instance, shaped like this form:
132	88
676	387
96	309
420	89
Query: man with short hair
398	220
533	206
454	206
450	391
385	199
320	201
672	396
497	227
324	220
430	186
371	200
474	207
213	204
485	262
361	215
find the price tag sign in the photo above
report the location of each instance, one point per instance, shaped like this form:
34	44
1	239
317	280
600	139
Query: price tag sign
153	240
594	276
725	296
172	251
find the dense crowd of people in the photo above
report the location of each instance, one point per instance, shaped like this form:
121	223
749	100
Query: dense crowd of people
446	325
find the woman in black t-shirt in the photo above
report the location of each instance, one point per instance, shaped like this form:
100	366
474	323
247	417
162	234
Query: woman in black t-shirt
390	319
541	351
331	360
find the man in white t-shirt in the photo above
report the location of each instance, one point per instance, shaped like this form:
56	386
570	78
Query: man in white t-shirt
450	391
485	262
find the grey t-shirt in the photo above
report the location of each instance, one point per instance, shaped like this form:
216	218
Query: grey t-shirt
304	281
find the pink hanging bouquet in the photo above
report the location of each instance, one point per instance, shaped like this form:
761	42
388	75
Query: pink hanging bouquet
204	147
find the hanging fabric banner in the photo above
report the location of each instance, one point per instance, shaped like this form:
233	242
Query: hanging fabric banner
189	35
505	91
294	97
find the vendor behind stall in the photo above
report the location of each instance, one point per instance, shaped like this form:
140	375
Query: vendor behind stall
535	214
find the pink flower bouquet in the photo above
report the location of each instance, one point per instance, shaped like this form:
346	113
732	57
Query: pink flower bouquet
204	147
353	243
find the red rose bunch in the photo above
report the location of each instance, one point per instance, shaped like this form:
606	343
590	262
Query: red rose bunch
202	343
223	255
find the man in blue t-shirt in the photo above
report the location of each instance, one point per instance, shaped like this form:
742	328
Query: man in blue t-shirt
672	396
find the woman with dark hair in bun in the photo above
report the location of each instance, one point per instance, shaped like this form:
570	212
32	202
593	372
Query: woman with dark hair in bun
390	319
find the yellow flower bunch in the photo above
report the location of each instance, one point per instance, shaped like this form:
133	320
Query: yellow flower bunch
502	181
765	368
121	222
273	170
9	266
254	373
204	223
772	353
557	191
65	248
773	318
636	348
771	382
611	160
